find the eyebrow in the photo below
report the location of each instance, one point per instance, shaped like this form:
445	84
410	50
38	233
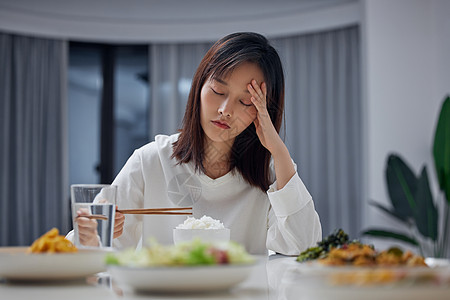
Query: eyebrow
224	83
220	81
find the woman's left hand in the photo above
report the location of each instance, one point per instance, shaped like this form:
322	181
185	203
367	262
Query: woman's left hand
264	127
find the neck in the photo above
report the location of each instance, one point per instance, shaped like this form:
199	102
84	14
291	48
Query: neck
217	158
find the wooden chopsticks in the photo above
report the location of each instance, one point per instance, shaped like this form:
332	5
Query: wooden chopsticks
157	211
145	211
95	217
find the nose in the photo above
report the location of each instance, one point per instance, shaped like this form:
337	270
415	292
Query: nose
226	108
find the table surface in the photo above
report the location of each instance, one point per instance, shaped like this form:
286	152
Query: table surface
277	277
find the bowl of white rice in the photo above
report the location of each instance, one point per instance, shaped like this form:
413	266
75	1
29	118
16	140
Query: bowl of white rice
206	229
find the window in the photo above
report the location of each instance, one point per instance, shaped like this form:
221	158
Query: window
108	109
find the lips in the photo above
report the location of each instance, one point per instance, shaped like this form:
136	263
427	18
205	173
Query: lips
220	124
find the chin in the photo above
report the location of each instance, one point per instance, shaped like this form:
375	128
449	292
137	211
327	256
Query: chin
220	136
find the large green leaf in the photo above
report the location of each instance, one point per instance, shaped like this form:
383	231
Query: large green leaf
426	216
441	148
389	234
390	212
402	186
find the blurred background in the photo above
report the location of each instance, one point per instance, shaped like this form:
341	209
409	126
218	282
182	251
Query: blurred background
84	83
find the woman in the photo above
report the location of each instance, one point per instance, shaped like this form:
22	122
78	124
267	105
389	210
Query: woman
227	162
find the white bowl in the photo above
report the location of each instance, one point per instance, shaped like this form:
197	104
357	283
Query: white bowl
206	235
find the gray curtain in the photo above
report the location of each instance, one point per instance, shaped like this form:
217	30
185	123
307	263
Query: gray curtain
323	122
33	173
323	113
171	68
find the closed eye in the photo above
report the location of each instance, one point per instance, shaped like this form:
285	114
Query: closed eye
243	103
217	93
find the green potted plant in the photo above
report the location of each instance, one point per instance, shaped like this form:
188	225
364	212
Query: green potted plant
412	201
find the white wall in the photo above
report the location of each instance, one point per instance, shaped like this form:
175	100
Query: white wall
406	57
441	35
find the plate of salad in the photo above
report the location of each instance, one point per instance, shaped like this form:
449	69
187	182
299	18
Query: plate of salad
187	267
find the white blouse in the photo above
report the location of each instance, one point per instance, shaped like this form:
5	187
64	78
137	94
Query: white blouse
284	220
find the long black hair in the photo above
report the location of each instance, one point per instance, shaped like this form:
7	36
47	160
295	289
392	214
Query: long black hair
248	155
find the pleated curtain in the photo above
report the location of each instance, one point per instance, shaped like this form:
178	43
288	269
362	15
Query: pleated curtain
33	173
171	68
323	122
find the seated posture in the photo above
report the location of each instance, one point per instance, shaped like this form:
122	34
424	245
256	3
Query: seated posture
228	160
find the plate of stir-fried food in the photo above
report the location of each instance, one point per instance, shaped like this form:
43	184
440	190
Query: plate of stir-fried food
50	257
345	262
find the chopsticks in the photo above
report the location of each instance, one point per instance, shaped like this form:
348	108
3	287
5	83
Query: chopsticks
95	217
157	211
145	211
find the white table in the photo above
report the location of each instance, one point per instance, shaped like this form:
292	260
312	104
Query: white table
278	278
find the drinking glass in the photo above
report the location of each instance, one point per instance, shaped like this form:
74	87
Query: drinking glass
96	204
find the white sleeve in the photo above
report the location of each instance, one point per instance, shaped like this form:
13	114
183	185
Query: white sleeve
293	223
70	236
130	194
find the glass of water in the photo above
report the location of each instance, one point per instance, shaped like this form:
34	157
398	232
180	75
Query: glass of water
93	212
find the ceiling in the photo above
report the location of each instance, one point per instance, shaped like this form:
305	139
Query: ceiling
162	19
167	11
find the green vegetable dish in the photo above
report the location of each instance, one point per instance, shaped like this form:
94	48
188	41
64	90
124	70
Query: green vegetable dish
193	253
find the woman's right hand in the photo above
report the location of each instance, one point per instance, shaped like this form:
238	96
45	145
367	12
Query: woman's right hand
119	221
87	229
